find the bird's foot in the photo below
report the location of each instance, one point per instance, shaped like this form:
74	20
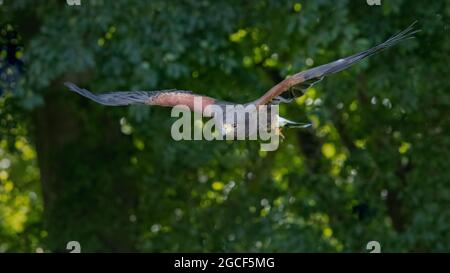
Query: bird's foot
279	133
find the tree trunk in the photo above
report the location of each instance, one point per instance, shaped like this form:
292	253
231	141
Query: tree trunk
82	156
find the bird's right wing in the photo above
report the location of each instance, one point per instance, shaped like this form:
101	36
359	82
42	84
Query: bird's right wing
169	98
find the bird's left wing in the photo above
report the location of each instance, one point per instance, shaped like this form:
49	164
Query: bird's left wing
169	98
297	84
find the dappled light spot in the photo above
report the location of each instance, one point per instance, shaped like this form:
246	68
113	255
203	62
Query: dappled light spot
404	160
178	213
139	144
262	153
338	162
247	61
327	232
360	143
324	130
4	175
264	212
14	216
257	54
8	187
353	106
22	145
404	147
125	126
155	228
238	35
345	116
5	163
134	160
217	186
19	54
278	173
297	7
328	150
101	42
387	103
264	202
270	62
308	98
383	194
43	233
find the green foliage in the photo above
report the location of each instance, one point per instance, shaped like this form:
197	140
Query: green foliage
373	167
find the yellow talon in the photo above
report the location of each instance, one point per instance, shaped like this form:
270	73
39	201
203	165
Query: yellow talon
278	132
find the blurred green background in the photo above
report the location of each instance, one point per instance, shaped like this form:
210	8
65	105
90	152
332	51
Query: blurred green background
374	166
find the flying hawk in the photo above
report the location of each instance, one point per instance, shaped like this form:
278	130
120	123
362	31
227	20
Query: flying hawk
285	91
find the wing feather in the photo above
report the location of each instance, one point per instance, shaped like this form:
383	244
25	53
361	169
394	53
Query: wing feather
168	98
303	80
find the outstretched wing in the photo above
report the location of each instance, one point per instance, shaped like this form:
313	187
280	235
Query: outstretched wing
169	98
297	84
